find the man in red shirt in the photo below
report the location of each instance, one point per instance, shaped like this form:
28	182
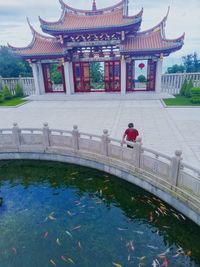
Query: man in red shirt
131	134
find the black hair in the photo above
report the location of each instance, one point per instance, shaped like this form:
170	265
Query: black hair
130	125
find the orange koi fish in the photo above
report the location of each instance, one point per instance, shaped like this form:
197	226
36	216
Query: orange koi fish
77	227
64	259
52	262
45	235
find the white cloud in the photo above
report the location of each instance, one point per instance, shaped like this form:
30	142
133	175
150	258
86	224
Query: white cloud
183	17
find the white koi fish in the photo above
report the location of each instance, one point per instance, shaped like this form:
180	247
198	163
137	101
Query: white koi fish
68	233
58	241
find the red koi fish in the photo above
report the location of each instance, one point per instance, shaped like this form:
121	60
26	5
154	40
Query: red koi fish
45	235
165	262
151	216
64	259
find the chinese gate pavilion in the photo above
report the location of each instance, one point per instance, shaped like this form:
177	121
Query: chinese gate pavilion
126	59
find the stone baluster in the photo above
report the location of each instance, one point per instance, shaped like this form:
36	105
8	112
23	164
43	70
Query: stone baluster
46	135
75	138
105	140
137	151
175	167
16	132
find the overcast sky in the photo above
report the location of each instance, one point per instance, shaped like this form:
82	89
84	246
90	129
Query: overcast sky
184	16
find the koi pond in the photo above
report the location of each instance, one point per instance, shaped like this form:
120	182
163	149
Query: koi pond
56	214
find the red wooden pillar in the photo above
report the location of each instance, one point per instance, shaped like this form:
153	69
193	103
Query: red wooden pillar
130	76
151	75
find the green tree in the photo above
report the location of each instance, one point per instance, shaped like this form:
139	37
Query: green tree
56	76
11	65
191	63
183	87
189	88
176	69
6	93
96	75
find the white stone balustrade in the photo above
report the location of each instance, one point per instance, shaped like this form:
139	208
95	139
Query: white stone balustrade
170	83
167	177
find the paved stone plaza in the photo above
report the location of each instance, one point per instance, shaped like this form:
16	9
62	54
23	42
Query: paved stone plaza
163	129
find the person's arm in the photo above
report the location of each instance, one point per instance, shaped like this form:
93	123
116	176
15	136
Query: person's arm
123	137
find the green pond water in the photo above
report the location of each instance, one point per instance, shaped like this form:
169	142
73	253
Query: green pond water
57	214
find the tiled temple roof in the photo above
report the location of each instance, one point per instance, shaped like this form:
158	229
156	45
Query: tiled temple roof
75	20
40	46
152	40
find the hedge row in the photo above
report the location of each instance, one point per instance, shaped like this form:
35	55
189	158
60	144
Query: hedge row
5	93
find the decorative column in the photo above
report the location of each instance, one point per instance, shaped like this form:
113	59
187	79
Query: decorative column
123	75
67	77
158	87
36	78
41	78
71	77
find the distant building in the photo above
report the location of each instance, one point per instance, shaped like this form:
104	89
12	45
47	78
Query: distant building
132	59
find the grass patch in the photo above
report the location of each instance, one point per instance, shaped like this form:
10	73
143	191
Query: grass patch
179	101
13	102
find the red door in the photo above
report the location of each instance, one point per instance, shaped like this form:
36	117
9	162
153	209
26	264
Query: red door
112	76
151	75
81	71
54	80
130	76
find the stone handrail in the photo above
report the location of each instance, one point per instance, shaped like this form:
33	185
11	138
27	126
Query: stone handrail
171	83
27	84
168	177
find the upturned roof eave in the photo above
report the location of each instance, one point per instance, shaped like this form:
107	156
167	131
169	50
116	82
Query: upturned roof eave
152	50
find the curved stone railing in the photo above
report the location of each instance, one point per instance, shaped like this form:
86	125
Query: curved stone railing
169	178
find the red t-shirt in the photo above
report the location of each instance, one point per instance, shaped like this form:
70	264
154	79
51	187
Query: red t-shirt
131	134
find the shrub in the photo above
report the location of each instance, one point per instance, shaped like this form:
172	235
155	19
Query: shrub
195	92
183	87
188	89
19	91
142	79
6	93
1	97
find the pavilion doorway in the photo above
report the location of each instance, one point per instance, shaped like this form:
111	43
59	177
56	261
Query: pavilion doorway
141	75
97	76
54	80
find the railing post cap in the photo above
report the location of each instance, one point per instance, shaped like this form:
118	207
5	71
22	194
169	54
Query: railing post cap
75	127
15	124
178	153
138	139
45	124
105	131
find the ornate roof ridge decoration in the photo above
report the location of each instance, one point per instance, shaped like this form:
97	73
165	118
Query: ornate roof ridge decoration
138	15
160	26
79	11
75	20
35	36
